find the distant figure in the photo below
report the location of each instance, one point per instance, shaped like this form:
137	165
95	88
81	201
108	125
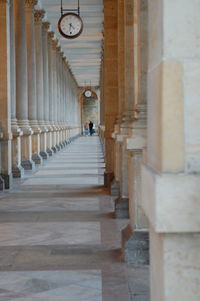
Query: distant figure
91	128
86	129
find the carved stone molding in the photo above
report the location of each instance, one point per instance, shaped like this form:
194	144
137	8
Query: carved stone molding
39	15
29	4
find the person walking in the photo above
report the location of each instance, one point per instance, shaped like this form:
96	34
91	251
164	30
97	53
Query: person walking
86	129
91	128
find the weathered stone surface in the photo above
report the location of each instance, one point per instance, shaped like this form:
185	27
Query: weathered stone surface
121	207
135	246
37	158
44	155
28	164
17	172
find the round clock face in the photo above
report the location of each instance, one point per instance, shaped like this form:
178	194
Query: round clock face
88	93
70	25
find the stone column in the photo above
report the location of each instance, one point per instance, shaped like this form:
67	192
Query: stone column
39	14
22	84
115	189
45	26
110	88
171	173
5	97
17	169
50	148
127	91
31	65
58	96
135	236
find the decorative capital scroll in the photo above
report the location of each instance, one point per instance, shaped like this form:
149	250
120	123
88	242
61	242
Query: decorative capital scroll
29	4
39	15
51	34
3	2
54	44
46	25
58	48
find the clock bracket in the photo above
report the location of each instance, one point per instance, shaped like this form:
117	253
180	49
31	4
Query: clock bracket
62	10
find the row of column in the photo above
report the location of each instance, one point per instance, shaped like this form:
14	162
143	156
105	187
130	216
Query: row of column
152	158
38	90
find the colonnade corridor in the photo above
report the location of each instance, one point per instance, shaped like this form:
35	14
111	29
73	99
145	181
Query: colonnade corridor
58	240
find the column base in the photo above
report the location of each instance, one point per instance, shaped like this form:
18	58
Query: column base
49	152
54	149
28	164
57	147
135	246
122	207
115	188
37	158
61	145
17	172
7	179
1	184
108	178
44	155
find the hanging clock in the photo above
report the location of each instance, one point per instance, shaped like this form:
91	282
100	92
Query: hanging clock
88	93
70	25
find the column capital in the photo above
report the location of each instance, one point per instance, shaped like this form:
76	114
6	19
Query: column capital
29	4
58	48
39	15
51	34
3	2
46	25
54	44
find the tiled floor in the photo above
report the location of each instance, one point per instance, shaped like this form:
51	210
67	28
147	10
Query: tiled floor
58	239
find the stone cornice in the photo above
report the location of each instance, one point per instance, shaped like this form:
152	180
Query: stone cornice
39	15
29	4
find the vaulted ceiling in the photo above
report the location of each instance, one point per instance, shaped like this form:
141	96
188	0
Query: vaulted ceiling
83	53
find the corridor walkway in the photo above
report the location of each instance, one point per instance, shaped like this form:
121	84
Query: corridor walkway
58	240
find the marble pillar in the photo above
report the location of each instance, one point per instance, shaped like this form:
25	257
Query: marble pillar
17	169
22	84
170	175
5	98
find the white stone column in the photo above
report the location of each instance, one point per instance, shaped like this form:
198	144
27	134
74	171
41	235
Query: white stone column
17	169
31	65
22	84
55	91
171	173
5	98
39	14
45	27
50	148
